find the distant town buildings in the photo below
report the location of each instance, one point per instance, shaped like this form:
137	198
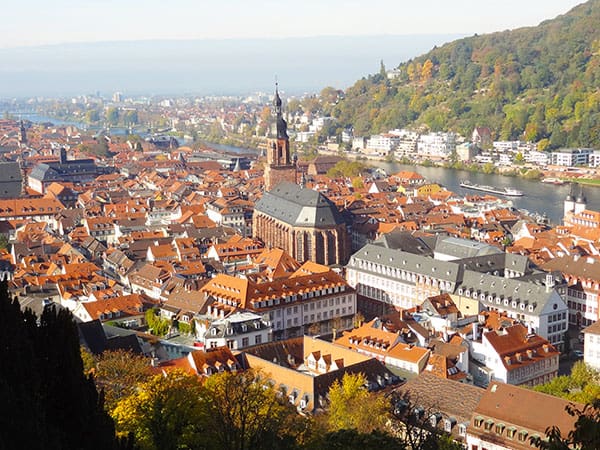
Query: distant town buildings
571	157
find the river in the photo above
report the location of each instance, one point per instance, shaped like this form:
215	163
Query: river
230	148
539	197
38	118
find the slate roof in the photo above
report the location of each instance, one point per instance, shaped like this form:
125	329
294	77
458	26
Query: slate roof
299	207
442	270
238	322
517	290
403	240
497	262
99	338
10	180
56	171
463	248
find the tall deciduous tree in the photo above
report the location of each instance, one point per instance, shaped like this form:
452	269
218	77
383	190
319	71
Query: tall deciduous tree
244	412
118	372
351	406
164	413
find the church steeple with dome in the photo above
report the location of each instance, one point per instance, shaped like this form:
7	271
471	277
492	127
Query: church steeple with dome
580	201
569	203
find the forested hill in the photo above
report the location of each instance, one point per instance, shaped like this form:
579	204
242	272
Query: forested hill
538	83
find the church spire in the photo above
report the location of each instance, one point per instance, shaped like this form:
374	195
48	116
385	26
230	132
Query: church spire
281	123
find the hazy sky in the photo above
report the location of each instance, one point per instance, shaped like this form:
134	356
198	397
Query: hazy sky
34	22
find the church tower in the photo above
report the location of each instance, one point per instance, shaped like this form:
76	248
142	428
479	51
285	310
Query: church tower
569	203
280	166
22	133
580	201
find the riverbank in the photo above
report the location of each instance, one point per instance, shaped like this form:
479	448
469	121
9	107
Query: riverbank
594	182
528	173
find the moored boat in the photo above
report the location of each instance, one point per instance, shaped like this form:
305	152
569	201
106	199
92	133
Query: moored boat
510	192
552	180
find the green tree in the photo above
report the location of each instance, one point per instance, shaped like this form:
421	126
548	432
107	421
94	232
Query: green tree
112	116
582	385
118	372
351	406
130	117
164	413
244	412
519	159
156	324
92	116
488	168
4	243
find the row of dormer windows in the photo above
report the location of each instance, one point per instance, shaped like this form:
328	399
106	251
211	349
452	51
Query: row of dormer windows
498	428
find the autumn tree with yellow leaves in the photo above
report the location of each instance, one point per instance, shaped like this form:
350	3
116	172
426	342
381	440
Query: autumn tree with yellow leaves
351	406
164	413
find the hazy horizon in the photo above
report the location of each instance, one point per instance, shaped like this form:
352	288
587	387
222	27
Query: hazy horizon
204	66
65	48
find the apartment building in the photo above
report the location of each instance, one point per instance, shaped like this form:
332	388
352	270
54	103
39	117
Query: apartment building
571	157
312	297
391	277
436	145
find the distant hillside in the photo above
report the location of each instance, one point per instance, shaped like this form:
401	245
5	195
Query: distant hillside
206	67
538	83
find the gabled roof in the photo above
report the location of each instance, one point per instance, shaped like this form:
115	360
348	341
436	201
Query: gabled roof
516	348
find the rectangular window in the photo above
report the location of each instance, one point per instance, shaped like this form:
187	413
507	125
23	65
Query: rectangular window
258	339
245	342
